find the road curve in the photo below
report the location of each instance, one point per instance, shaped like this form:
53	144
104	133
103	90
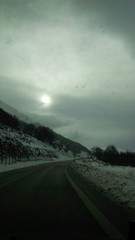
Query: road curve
39	201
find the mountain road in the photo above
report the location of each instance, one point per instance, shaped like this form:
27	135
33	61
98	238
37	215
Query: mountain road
41	202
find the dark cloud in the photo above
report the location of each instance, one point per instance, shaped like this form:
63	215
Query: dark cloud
79	137
99	121
114	17
113	108
52	121
81	54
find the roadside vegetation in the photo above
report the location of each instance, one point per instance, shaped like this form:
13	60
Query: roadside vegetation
114	157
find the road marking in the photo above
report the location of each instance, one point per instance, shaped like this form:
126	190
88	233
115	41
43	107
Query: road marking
108	227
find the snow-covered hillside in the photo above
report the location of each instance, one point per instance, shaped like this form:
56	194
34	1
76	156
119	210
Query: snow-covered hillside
19	147
24	141
116	181
14	112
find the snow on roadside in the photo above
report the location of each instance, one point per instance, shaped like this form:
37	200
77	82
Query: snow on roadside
9	167
17	165
118	182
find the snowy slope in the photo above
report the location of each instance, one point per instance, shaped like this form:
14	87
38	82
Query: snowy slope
18	147
14	112
63	142
118	182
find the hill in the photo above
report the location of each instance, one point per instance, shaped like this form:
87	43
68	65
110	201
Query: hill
14	112
23	140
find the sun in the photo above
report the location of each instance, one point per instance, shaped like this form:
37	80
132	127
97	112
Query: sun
46	100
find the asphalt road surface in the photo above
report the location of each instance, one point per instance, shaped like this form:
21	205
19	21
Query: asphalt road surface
39	203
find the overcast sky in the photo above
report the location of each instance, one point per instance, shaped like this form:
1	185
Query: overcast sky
81	53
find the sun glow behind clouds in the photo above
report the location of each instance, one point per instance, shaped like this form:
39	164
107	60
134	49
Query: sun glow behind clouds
46	100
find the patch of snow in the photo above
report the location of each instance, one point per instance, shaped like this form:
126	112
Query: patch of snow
17	165
118	182
38	152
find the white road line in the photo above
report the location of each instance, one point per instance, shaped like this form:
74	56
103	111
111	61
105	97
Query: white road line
107	226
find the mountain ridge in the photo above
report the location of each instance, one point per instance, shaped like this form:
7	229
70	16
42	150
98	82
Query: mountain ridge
10	118
14	112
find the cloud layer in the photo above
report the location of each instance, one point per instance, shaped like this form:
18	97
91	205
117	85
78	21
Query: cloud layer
79	52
